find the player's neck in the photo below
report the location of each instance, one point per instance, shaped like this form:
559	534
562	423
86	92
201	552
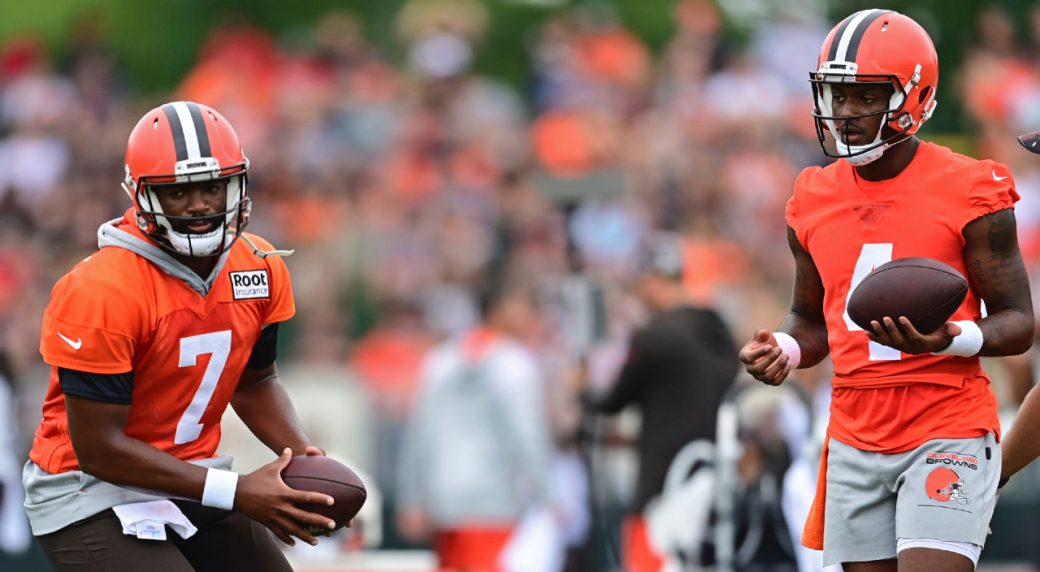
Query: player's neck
895	159
201	265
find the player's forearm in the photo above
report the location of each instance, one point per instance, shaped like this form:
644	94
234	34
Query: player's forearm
128	462
1022	443
268	412
1007	332
811	336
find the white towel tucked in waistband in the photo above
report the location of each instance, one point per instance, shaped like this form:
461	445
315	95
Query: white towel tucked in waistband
148	520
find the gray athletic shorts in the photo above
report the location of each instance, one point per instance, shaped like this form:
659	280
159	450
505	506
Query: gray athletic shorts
943	490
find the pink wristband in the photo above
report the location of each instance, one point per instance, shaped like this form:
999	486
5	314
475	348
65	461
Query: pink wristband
790	347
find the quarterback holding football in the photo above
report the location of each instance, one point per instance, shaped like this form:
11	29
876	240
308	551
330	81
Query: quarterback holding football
149	340
900	398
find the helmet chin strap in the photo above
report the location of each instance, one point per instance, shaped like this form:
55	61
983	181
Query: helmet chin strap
206	244
858	158
861	157
262	253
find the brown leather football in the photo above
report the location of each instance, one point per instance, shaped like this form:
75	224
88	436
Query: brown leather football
924	290
324	475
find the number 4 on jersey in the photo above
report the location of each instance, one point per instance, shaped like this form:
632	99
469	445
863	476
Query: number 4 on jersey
870	257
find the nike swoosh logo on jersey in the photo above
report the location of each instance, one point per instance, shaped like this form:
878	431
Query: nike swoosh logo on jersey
998	178
76	345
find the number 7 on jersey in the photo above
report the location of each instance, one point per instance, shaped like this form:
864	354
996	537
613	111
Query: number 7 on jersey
218	344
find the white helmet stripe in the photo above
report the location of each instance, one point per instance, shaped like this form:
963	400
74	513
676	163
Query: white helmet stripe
191	138
850	32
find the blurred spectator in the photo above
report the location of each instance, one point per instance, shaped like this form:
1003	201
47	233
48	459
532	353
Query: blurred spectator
237	72
14	528
477	452
33	106
419	18
387	359
93	68
789	46
1000	86
678	370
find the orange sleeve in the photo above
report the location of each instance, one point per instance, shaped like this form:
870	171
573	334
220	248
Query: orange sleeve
88	326
992	190
793	213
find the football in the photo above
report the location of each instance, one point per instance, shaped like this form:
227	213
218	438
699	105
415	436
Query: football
924	290
324	475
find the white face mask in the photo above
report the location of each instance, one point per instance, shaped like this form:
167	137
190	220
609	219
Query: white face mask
857	155
204	244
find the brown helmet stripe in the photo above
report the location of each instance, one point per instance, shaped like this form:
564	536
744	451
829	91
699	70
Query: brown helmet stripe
847	39
178	131
189	130
857	35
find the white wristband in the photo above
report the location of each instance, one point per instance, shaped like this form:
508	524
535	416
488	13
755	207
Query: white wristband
790	347
965	344
219	491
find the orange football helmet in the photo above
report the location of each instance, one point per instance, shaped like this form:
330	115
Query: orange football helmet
186	142
876	47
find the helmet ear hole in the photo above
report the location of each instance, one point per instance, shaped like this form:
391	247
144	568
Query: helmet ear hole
924	94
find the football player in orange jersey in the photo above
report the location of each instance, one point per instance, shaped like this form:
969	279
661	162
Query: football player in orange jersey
149	340
905	404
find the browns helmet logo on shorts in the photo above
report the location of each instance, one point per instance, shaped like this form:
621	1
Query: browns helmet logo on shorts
945	485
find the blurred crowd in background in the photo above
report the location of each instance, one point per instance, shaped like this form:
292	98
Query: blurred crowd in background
405	186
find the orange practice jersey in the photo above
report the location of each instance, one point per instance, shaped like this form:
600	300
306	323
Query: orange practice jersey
884	400
117	312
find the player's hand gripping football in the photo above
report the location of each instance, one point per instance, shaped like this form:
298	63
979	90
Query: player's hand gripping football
764	360
264	497
901	335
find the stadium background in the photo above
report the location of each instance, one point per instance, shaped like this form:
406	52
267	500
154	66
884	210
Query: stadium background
410	149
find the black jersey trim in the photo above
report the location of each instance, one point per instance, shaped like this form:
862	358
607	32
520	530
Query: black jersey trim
265	350
106	387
